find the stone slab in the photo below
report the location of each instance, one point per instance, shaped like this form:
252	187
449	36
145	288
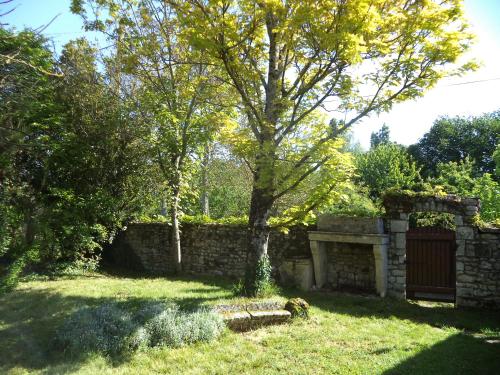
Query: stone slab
361	225
245	320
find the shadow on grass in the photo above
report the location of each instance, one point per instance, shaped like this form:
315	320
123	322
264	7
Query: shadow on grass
458	354
29	319
434	314
474	350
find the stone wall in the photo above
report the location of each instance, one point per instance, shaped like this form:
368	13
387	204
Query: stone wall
221	250
478	267
207	249
351	266
477	251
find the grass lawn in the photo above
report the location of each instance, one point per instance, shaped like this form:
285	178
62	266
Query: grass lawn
345	335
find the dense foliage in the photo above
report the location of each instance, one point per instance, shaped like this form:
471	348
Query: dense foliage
454	139
458	178
387	166
74	162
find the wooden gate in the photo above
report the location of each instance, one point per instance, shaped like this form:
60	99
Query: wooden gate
430	264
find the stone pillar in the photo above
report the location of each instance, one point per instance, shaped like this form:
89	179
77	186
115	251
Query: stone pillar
396	280
380	254
318	250
465	283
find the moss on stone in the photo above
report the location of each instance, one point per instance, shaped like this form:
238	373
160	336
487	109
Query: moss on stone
297	307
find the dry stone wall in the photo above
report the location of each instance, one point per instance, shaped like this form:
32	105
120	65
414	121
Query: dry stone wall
207	249
478	267
221	250
351	266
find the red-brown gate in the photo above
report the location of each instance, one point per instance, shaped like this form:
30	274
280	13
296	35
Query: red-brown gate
430	264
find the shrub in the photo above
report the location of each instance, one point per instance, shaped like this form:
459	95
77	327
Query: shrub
106	329
111	330
163	329
174	328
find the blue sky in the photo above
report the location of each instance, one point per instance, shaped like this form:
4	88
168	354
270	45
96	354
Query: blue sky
408	121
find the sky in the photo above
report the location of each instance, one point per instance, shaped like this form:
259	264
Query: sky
470	95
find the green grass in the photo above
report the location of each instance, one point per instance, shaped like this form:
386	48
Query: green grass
345	335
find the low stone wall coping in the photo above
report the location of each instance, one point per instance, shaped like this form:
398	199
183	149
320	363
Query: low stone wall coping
371	239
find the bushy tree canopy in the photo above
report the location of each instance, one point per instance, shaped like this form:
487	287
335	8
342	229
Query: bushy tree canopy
452	139
388	166
381	137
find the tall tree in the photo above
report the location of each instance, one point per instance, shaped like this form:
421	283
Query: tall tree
180	97
73	156
452	139
288	58
381	137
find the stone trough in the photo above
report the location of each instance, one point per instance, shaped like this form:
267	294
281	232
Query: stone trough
242	318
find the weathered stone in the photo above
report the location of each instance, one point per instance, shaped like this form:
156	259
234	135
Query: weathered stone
298	272
400	241
400	280
463	278
460	250
399	226
237	320
363	225
297	307
465	233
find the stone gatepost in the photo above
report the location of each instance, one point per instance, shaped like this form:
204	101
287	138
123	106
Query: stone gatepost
466	234
396	262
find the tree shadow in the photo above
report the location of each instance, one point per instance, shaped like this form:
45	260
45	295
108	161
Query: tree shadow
476	349
470	320
29	319
223	282
468	355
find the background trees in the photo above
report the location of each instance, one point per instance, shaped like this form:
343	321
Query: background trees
454	139
387	166
459	178
74	166
178	97
381	137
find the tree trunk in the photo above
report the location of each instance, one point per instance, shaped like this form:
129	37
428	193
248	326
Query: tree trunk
205	206
176	239
163	207
29	228
258	226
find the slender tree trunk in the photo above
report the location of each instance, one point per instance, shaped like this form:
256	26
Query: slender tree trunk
264	185
163	207
29	228
176	239
205	204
